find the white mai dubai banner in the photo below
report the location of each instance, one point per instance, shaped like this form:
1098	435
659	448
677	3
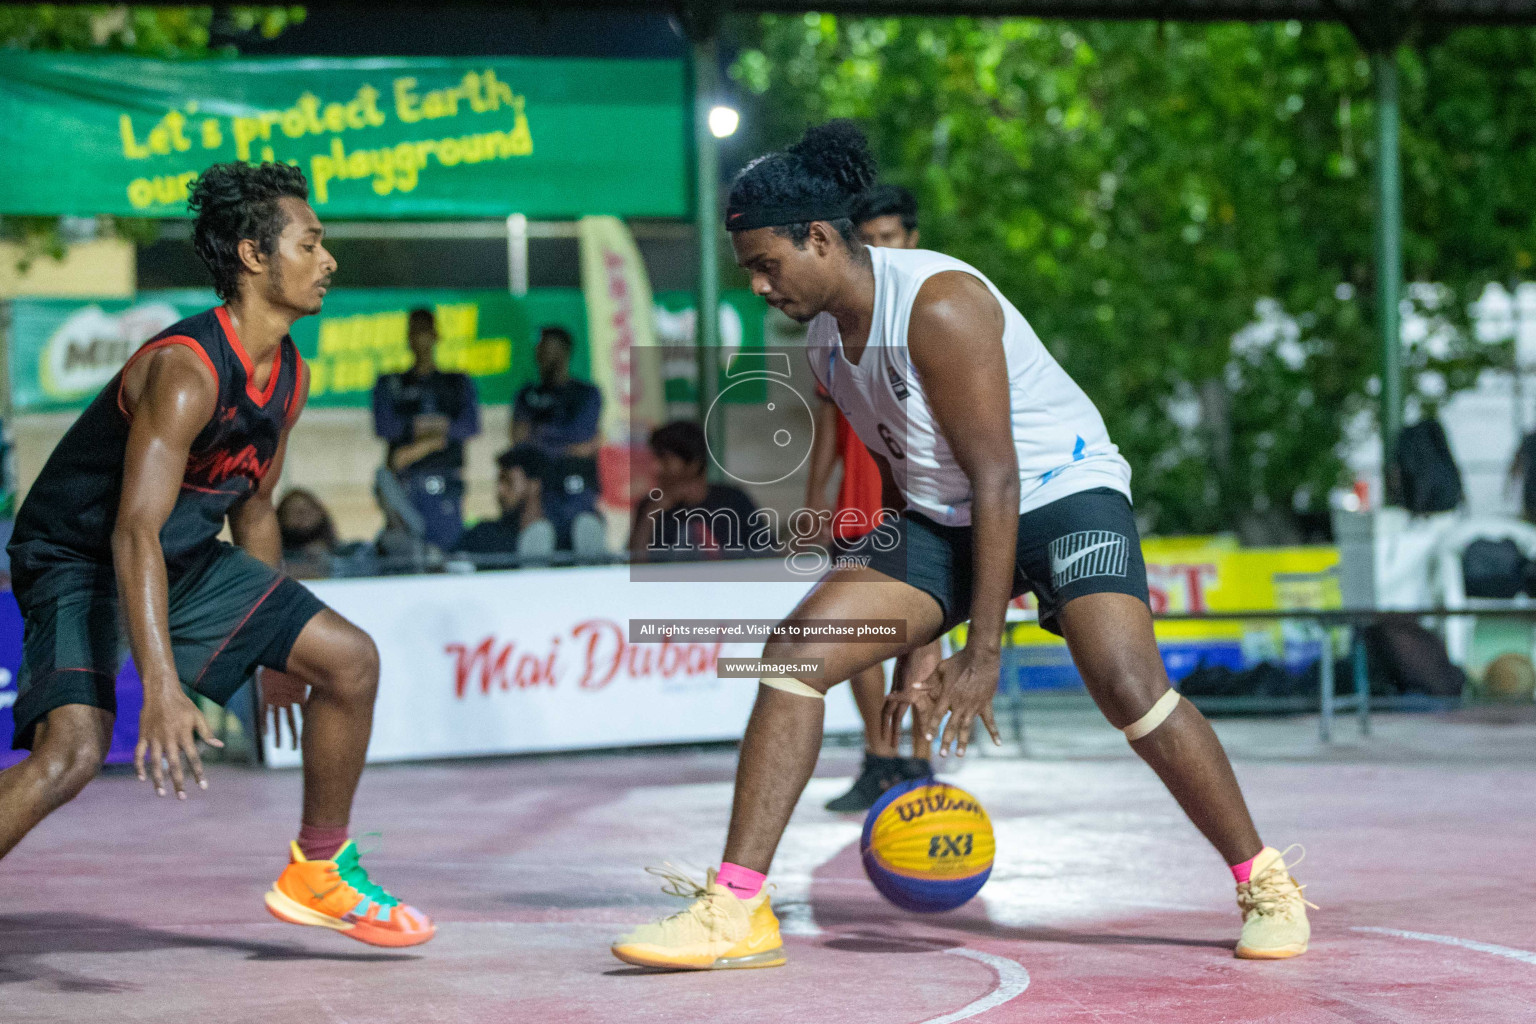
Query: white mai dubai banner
540	660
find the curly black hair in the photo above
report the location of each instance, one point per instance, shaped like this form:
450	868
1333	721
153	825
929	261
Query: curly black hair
829	167
683	438
235	201
884	201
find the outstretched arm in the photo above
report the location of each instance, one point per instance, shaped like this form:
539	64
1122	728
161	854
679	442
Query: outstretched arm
169	401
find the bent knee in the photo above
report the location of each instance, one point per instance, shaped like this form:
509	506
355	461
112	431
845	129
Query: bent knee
67	764
801	661
365	658
352	669
1126	696
360	674
783	650
794	651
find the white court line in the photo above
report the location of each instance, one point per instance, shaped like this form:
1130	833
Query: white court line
797	918
1523	956
1012	980
809	845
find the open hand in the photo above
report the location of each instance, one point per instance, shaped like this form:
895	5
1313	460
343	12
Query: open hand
912	667
169	728
961	686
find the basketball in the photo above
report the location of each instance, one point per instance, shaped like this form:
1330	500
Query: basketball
927	846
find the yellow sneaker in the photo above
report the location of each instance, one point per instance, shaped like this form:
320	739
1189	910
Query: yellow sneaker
716	932
1275	923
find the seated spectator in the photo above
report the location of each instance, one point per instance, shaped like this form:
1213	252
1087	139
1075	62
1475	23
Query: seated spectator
311	549
686	517
562	417
425	415
519	488
308	534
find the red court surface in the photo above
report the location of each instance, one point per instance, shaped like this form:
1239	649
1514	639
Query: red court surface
1104	906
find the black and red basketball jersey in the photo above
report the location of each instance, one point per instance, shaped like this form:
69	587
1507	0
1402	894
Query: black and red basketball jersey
70	512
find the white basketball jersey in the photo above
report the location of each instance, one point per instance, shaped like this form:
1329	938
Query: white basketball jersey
1062	444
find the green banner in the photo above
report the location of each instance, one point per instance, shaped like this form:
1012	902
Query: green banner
377	137
63	351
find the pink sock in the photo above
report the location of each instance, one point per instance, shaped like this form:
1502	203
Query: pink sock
744	883
1242	872
317	842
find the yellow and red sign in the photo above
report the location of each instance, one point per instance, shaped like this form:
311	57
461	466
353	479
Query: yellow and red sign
1201	575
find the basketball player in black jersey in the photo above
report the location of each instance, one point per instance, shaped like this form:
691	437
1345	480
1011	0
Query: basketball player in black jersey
123	525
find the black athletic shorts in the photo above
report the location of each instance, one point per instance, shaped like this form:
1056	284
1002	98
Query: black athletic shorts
1085	543
229	613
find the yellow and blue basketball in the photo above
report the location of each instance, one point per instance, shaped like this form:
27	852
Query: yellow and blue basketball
927	846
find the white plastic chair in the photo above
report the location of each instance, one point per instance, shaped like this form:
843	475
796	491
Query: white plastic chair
1451	585
536	543
589	540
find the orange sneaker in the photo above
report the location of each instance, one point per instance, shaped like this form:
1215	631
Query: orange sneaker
337	894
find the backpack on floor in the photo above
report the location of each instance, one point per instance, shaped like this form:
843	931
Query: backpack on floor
1411	659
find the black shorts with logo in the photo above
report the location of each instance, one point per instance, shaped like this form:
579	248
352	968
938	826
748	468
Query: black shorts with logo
1085	543
229	613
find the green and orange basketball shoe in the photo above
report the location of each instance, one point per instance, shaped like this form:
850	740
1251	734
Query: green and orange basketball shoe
337	894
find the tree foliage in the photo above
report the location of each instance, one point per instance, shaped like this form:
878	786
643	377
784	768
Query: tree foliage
1184	213
166	32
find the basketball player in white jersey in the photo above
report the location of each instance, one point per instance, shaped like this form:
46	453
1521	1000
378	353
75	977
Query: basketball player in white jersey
1009	482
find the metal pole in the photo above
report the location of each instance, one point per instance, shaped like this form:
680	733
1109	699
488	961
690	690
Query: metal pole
1016	703
1517	318
1389	255
1326	684
706	73
1362	683
517	254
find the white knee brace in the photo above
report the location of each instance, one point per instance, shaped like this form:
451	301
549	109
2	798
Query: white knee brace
1152	719
794	686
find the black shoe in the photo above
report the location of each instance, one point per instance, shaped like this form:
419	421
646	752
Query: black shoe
916	768
878	775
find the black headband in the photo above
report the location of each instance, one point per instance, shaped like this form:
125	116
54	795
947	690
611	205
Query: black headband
778	216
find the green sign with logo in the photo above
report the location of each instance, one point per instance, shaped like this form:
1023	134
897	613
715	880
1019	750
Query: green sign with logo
63	351
377	137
